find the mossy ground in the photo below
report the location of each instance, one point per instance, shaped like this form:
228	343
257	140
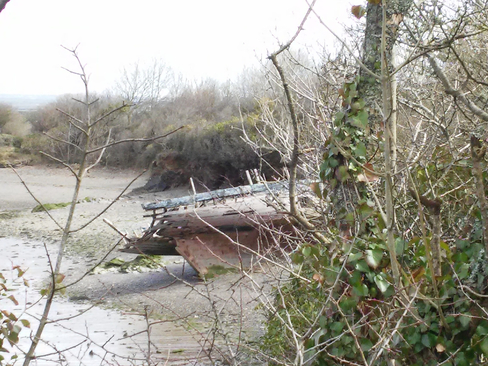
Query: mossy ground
217	270
142	263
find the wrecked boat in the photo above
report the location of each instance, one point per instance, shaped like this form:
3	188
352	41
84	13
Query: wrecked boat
215	230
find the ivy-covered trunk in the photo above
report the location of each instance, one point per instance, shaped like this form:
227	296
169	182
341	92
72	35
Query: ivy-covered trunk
367	120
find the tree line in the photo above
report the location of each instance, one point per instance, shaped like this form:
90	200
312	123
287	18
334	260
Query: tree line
156	101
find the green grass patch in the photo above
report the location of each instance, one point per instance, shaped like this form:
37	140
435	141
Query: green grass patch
50	206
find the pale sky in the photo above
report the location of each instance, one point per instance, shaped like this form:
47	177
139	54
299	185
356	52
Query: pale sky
197	38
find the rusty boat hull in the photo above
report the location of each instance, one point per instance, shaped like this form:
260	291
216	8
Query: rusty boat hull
217	230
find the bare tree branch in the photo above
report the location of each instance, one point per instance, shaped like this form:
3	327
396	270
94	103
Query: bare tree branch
109	113
300	28
62	141
101	154
363	66
110	204
450	90
133	140
35	198
70	120
61	162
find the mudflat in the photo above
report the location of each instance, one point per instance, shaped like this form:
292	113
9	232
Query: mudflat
55	184
173	292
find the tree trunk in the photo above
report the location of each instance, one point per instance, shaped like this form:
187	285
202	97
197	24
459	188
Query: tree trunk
378	93
478	152
370	88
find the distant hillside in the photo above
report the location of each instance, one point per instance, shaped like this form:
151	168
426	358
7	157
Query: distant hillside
26	102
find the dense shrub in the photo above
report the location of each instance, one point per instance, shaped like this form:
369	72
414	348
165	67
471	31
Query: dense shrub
213	154
349	308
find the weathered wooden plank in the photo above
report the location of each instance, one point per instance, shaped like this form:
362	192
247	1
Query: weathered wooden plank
216	195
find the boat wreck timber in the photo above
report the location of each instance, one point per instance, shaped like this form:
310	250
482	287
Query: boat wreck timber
217	230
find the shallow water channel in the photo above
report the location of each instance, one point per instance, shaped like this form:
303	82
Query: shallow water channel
82	334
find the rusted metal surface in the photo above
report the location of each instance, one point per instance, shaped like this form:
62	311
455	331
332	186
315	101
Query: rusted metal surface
214	229
210	251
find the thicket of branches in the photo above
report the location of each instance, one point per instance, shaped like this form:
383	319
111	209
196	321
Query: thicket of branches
389	265
400	147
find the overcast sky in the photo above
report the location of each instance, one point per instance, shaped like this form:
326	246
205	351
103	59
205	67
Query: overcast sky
198	38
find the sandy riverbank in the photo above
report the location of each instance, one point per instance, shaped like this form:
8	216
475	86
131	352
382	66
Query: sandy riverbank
190	299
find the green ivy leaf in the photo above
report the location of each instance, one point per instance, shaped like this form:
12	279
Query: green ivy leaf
337	327
339	118
400	246
484	346
342	173
349	218
360	150
323	321
463	271
366	344
307	251
429	340
360	290
354	257
297	258
360	120
374	257
356	278
450	319
347	304
414	337
333	162
362	266
382	283
365	210
461	359
464	320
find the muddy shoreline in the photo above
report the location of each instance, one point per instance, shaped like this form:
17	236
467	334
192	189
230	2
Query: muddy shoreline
173	293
